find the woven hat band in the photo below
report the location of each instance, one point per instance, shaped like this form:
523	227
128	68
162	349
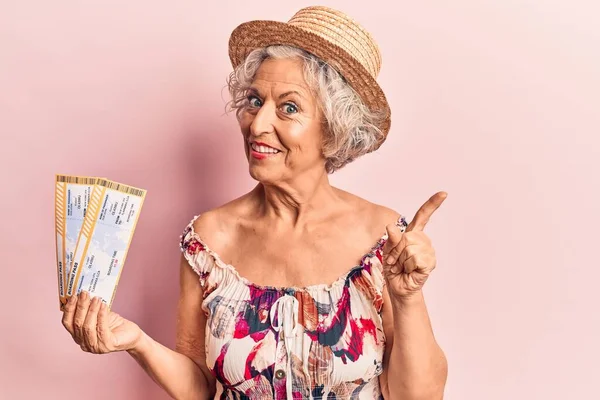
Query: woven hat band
340	30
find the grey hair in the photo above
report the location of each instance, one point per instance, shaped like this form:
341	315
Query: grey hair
351	128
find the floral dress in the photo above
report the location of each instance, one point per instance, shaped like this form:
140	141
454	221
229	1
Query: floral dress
274	343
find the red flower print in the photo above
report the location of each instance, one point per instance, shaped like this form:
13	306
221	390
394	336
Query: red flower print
194	246
379	255
263	315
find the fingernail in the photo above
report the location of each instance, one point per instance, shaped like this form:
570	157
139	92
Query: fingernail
389	260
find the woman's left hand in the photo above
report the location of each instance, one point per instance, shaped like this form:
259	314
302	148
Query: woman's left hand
408	257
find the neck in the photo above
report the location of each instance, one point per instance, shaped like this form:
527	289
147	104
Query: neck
305	198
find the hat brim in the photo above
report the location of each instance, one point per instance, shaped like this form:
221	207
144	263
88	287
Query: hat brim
255	34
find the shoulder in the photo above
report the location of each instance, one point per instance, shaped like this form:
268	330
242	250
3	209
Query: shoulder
218	225
382	216
209	223
385	215
376	214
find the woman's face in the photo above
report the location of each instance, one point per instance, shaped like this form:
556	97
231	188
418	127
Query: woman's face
282	123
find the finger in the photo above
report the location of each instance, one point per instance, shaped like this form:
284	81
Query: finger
409	251
102	328
424	214
68	313
422	263
83	304
417	237
392	269
411	264
89	326
394	237
391	257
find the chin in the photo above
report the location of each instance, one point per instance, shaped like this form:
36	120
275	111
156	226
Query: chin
259	174
262	174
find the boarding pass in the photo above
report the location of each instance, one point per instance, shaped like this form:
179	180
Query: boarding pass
94	261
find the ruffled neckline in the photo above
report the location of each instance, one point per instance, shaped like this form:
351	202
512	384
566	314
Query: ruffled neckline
340	281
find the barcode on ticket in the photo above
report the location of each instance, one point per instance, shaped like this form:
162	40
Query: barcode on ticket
80	180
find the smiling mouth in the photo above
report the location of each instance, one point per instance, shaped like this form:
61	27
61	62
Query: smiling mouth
260	149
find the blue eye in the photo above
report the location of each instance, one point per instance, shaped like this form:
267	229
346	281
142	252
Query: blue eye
254	101
290	108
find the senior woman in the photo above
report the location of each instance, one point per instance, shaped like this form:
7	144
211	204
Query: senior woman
297	289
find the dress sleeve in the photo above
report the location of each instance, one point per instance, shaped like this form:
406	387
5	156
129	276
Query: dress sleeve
194	251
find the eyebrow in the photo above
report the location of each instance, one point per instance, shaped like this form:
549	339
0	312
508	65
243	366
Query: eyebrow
281	96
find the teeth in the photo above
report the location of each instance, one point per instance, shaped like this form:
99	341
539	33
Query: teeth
263	149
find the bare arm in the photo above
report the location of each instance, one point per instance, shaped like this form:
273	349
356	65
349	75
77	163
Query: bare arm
182	373
176	373
415	367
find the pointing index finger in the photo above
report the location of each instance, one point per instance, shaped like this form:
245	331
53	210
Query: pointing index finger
426	211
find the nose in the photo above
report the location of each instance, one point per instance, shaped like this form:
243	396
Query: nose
263	122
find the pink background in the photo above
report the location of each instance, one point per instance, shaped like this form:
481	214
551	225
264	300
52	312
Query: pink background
495	102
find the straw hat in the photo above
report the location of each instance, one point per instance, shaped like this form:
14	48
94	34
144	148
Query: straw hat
328	34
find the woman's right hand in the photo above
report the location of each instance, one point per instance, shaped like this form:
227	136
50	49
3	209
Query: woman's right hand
96	329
